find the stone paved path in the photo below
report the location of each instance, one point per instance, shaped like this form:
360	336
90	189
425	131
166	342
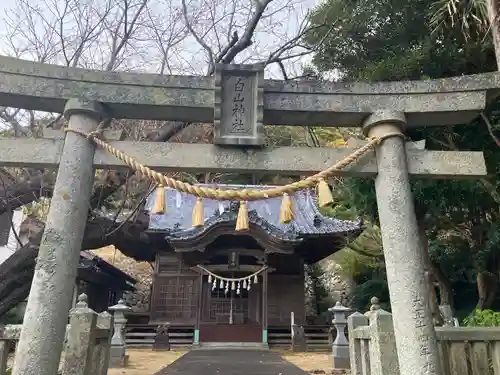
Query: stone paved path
231	362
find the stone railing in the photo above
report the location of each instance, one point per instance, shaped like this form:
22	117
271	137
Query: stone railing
462	350
87	343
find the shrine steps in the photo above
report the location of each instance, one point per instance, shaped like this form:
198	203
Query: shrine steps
231	345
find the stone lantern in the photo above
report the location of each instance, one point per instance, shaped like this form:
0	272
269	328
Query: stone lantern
118	351
340	346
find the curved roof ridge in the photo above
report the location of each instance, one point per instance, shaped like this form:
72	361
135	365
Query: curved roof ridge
229	217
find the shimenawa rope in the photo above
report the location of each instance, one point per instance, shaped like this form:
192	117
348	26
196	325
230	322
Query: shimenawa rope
243	194
230	279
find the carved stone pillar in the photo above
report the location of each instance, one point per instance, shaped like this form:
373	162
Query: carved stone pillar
42	336
414	330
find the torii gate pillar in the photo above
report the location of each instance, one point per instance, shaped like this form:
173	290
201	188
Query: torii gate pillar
46	317
413	326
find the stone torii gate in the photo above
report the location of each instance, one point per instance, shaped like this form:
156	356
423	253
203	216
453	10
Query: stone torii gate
238	101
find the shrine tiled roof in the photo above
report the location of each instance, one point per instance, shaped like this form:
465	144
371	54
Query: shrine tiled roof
176	222
97	264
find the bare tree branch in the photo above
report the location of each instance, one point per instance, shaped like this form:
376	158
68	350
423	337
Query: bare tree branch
195	35
246	39
127	32
277	56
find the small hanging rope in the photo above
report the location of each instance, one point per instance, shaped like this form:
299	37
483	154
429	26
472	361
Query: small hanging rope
241	195
228	279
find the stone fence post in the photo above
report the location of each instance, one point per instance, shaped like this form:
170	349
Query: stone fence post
80	337
358	345
103	345
340	346
383	353
372	344
118	352
86	344
5	346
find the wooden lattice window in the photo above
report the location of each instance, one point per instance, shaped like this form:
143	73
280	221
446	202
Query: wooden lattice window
175	299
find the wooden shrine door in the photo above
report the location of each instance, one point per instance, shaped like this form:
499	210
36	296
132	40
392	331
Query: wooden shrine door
230	317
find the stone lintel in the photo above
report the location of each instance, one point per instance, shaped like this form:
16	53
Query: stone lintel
30	85
205	157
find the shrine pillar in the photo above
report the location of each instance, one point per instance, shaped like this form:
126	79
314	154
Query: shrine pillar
199	311
413	326
46	317
265	282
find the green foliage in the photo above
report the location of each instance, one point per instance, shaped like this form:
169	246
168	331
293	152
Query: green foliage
38	209
393	40
453	255
483	318
355	266
369	243
11	317
389	40
471	16
362	262
320	300
363	293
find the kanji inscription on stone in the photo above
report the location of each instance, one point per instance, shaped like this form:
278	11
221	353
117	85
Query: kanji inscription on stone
238	105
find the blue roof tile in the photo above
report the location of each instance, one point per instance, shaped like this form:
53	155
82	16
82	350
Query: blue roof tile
176	222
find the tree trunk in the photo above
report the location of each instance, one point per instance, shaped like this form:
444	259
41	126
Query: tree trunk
492	292
481	290
432	273
487	285
15	193
493	8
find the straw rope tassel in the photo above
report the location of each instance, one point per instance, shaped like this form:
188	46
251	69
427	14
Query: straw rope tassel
159	206
242	220
198	214
286	210
325	197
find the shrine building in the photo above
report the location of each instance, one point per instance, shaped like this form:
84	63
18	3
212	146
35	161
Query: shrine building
233	286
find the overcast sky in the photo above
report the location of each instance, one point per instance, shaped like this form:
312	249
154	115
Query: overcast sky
188	57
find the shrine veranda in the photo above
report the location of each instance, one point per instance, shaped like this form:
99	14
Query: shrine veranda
239	102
